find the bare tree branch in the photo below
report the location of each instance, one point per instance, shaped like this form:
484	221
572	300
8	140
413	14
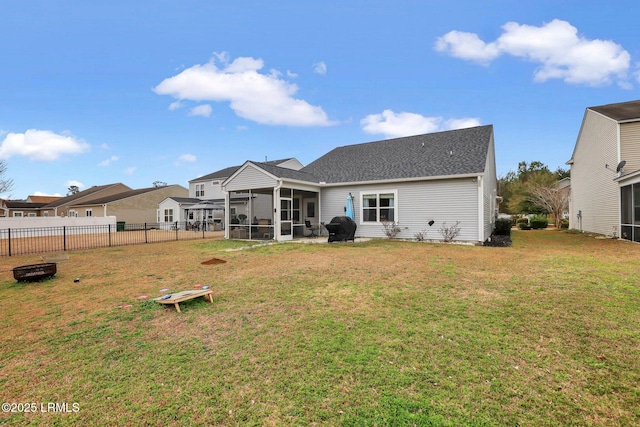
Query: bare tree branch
552	198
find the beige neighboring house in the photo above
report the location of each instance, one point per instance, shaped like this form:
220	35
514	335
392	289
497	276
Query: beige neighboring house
62	207
605	172
32	207
132	206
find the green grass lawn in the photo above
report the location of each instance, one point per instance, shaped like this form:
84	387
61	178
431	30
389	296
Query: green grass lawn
546	332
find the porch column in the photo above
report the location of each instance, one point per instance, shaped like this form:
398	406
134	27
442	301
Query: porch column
276	214
227	215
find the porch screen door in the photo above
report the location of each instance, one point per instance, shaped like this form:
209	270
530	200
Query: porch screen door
286	218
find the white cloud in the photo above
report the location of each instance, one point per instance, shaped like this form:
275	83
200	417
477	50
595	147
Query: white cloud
42	145
263	98
105	146
291	74
467	46
203	110
175	105
108	161
395	125
190	158
129	171
561	52
320	68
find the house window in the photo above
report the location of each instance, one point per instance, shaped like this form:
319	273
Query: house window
18	215
73	214
168	215
311	209
199	190
88	212
378	207
214	183
45	213
31	214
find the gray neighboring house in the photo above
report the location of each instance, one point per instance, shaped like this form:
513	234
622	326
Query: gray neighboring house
206	201
440	177
605	192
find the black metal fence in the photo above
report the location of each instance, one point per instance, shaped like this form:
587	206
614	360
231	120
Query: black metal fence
22	241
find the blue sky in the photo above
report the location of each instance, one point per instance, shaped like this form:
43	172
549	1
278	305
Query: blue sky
141	91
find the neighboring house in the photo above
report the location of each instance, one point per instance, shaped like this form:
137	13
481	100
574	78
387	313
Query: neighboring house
21	208
442	177
62	207
605	172
133	206
43	199
32	207
206	200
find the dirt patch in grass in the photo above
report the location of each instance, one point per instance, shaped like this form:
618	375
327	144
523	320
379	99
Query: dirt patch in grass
540	333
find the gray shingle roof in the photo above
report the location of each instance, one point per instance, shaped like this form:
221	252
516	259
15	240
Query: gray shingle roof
455	152
620	111
287	173
227	172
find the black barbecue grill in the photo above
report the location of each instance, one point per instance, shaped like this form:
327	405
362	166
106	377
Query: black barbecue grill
341	229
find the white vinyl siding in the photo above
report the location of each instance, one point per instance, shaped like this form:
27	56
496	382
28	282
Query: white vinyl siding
250	178
630	146
593	191
417	203
489	193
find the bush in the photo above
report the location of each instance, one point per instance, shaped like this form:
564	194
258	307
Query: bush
539	222
391	229
524	225
522	220
449	232
564	224
503	227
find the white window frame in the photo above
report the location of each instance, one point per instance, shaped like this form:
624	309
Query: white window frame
88	212
18	214
200	190
32	215
168	215
73	213
45	213
377	193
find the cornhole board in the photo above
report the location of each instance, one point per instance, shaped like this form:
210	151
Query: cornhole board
178	297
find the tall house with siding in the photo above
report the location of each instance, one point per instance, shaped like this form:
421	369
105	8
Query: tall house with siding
605	172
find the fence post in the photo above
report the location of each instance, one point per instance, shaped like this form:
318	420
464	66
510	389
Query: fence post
64	237
146	240
176	230
9	242
109	233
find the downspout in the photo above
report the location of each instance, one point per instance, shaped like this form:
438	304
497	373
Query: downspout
104	207
481	236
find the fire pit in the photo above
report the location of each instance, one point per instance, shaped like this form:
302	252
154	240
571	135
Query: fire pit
35	272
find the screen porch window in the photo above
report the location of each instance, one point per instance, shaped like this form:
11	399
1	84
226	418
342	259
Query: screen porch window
379	207
630	212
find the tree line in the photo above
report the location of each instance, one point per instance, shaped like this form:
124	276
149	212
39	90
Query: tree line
534	189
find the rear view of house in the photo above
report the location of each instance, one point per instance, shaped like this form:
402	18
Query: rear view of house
605	172
418	182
